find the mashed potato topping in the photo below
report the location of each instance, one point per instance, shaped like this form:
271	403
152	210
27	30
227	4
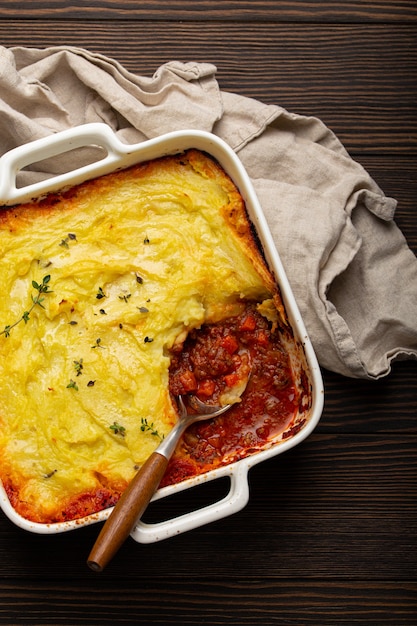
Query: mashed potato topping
98	283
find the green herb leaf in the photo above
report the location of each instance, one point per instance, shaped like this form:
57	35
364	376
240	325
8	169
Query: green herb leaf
36	301
70	237
118	429
100	294
145	426
78	365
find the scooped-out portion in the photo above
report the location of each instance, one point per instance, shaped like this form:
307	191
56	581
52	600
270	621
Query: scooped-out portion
214	363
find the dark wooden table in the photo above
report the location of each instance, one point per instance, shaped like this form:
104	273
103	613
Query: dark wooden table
330	534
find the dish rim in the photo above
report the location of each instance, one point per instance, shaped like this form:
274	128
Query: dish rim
119	155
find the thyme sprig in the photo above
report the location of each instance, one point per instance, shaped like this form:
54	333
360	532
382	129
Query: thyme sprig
145	426
37	300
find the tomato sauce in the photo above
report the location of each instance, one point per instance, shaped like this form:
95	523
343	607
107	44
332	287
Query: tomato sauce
215	359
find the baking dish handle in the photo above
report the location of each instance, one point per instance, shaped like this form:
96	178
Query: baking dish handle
87	135
235	500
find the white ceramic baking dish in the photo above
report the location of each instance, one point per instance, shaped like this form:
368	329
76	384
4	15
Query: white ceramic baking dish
117	155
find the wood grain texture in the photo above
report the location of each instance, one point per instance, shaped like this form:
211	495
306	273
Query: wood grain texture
359	79
386	406
329	535
225	10
261	602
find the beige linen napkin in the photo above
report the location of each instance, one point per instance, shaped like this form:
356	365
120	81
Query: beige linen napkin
352	273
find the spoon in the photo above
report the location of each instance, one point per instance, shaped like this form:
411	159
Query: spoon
136	497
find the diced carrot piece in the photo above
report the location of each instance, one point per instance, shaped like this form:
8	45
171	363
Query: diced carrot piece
262	338
206	388
231	379
230	344
249	323
188	381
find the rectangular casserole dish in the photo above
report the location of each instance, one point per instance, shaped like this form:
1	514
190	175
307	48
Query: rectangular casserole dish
119	156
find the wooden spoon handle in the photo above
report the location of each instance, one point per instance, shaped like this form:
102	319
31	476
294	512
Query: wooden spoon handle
127	511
